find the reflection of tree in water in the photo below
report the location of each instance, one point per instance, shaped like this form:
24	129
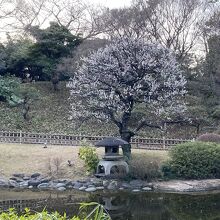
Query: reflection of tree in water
68	204
194	207
51	202
116	205
133	206
148	206
156	206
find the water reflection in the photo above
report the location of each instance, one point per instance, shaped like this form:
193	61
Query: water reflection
123	206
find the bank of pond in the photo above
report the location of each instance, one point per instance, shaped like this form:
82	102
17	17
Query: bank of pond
123	205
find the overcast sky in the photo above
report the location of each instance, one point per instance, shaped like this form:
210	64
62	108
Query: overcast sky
111	3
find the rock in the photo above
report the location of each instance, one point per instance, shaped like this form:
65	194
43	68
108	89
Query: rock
43	186
30	187
61	188
83	181
52	184
147	188
19	175
13	183
34	183
82	188
69	183
121	188
113	185
58	185
13	178
90	186
100	187
126	185
26	178
187	186
105	183
69	187
19	181
23	184
137	183
136	190
96	182
77	185
148	185
62	181
35	175
45	180
3	183
90	189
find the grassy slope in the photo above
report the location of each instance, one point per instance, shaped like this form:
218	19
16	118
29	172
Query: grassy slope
27	158
49	114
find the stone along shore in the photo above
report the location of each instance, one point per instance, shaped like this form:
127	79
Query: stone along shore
37	181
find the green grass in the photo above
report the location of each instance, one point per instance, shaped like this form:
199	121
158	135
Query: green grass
49	114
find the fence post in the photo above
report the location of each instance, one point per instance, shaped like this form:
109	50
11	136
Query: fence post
164	143
20	138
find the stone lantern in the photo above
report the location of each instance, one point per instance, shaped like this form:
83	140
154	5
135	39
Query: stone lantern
112	162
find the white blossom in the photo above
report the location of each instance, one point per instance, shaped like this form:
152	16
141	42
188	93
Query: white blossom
125	73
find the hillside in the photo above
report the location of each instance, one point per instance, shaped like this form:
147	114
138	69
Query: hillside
49	114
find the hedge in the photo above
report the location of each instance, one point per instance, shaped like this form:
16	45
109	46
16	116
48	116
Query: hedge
193	160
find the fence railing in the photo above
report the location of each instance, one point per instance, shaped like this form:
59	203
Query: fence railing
33	204
74	140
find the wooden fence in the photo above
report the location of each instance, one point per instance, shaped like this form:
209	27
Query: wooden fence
74	140
35	204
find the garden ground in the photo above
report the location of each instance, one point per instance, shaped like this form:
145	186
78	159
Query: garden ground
53	160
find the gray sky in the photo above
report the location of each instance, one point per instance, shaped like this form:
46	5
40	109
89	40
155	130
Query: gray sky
111	3
107	3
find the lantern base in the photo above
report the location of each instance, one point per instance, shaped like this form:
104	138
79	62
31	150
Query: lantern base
114	168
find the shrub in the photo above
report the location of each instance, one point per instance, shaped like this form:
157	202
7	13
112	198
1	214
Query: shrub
88	211
194	160
209	137
145	167
89	156
55	167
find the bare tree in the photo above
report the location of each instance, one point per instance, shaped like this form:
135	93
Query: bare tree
7	10
78	17
173	23
212	25
30	13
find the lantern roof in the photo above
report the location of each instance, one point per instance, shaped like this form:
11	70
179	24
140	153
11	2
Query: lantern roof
111	142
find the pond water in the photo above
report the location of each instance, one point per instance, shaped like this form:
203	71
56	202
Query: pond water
121	206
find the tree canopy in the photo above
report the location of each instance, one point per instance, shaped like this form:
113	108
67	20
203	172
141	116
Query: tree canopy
9	90
52	44
113	81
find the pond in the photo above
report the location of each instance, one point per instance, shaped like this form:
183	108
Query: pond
121	206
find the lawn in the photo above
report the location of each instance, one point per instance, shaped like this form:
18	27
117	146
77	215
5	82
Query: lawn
31	158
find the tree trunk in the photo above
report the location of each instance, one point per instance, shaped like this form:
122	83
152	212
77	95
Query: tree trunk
26	110
55	85
126	136
197	129
55	80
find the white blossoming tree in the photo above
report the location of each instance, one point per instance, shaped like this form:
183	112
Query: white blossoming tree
112	82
